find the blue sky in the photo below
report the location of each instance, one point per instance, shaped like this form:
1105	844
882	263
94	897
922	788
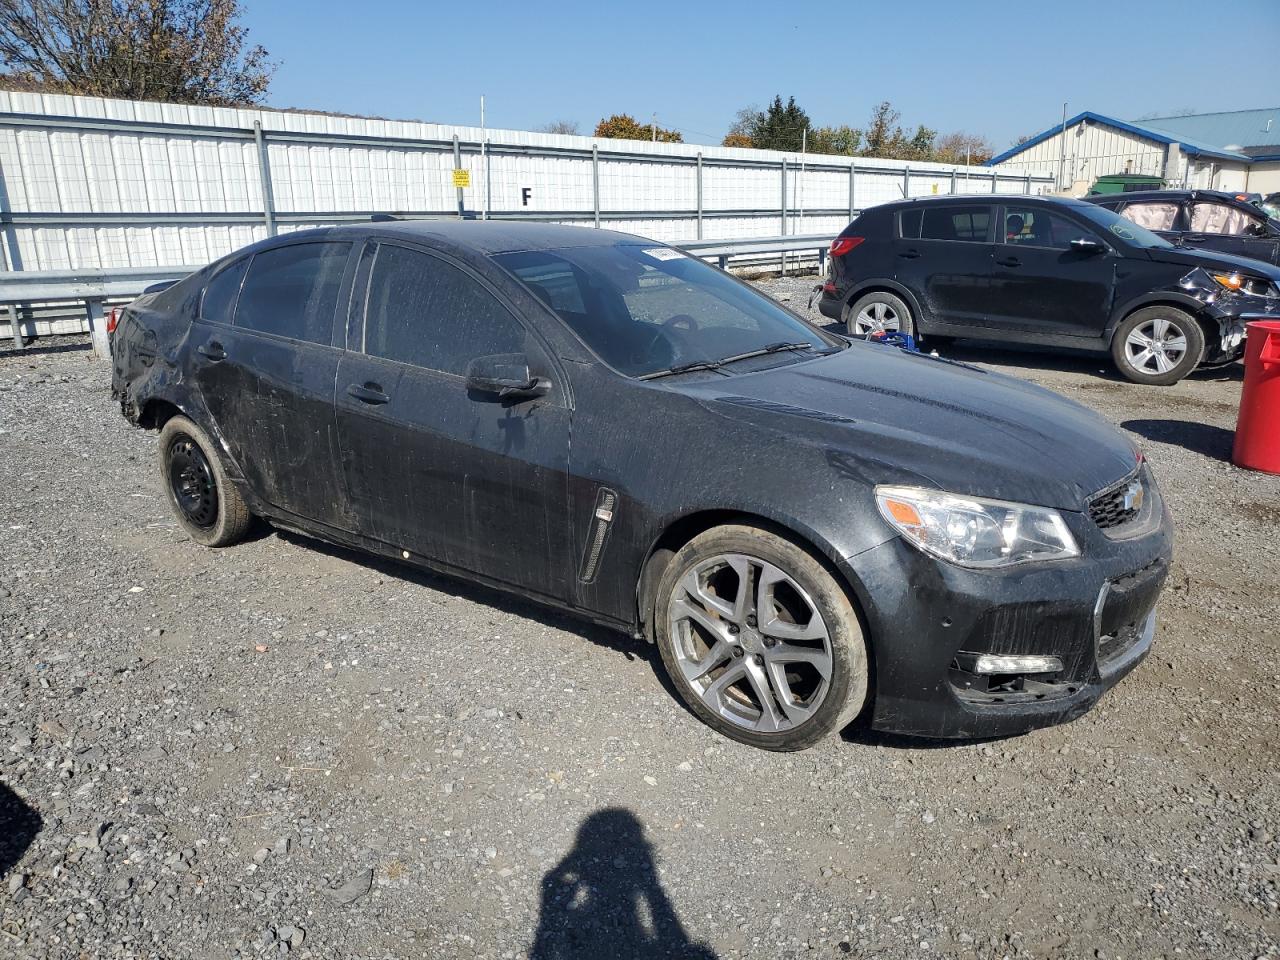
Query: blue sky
996	68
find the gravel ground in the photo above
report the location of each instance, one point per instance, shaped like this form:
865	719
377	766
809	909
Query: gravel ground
286	748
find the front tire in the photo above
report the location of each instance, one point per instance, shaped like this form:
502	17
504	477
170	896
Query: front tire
760	640
878	312
204	500
1157	345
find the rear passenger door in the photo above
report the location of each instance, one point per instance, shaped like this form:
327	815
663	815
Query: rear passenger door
944	258
461	478
263	359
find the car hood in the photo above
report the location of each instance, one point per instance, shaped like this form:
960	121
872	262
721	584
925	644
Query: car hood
1213	260
889	416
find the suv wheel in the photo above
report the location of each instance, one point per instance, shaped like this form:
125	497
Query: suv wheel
878	312
1157	345
759	639
206	503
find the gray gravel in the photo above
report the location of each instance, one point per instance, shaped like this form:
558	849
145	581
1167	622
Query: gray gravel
287	749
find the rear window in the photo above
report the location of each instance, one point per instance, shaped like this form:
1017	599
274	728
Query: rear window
956	223
293	291
909	224
219	301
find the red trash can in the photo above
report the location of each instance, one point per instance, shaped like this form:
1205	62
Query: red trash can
1257	443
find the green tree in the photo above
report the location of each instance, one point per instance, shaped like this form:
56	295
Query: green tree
780	126
843	141
623	126
180	51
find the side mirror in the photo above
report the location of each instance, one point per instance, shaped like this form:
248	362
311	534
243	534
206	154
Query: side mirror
505	376
1087	245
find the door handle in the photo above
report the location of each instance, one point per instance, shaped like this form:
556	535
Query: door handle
1189	239
212	350
1010	262
909	254
367	393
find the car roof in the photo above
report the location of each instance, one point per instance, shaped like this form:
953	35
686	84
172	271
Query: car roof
485	237
988	198
1164	195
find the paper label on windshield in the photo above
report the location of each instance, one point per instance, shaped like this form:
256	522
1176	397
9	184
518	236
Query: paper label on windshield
662	253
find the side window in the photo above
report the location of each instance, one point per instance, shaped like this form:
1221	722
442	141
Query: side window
909	224
1153	216
956	223
426	312
219	300
292	291
1220	218
1038	227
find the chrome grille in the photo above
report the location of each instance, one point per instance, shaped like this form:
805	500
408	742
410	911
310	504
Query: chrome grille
1118	505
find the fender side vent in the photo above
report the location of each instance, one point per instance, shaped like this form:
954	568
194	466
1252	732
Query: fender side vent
601	521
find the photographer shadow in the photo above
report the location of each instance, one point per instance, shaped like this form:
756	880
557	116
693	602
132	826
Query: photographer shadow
19	825
604	899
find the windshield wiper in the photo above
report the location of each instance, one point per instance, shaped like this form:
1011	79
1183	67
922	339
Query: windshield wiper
683	368
779	347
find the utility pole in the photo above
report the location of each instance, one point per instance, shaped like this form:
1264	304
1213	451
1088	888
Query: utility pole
484	159
1062	150
654	128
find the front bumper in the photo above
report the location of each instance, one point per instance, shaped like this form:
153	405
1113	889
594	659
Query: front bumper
1095	612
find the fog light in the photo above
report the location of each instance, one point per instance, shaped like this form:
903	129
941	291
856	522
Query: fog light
989	663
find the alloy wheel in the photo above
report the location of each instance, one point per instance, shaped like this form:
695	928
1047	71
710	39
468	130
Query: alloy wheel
878	317
750	642
1156	346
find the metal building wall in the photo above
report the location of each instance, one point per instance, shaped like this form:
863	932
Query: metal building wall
95	183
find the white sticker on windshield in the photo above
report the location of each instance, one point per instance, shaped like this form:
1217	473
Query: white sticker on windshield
662	253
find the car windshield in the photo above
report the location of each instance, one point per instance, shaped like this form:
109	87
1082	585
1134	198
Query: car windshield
647	310
1118	227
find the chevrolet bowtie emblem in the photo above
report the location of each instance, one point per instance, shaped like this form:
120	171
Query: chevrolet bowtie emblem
1133	496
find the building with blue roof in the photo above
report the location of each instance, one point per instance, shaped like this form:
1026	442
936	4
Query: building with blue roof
1238	150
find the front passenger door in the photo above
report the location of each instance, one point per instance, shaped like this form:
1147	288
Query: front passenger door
1044	284
1230	229
455	476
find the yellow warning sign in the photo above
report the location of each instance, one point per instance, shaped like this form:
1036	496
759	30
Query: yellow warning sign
462	178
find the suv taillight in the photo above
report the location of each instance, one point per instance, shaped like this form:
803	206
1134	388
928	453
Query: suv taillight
113	320
842	245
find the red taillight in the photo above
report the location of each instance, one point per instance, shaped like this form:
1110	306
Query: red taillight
842	245
113	320
829	287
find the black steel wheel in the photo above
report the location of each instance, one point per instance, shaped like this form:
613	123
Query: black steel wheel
205	501
191	482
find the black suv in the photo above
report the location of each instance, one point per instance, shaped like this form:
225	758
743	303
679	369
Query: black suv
1206	219
1049	271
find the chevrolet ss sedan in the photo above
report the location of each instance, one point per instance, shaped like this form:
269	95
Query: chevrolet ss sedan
811	530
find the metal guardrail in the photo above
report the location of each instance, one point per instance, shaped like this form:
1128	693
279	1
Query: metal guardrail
88	290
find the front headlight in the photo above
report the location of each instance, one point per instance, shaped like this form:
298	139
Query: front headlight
974	531
1240	283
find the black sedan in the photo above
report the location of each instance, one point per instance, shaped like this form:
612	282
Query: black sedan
808	528
1201	219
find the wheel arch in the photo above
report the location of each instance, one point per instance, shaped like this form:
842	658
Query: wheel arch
885	285
1186	304
680	530
157	411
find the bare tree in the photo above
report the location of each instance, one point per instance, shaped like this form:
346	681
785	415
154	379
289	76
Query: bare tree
569	127
180	51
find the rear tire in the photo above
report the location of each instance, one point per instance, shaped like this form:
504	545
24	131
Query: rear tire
876	311
206	503
778	661
1157	345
